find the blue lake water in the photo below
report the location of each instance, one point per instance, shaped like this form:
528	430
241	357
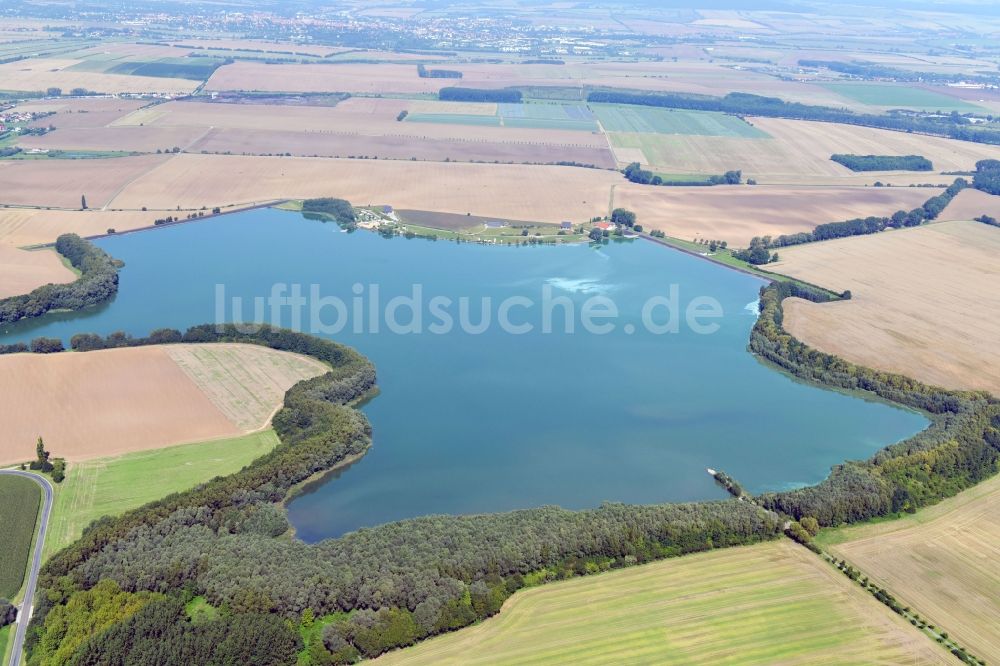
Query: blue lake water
491	421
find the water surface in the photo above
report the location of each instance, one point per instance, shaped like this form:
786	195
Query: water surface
493	421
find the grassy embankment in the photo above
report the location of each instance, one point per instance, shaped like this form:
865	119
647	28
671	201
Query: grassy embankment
111	486
761	604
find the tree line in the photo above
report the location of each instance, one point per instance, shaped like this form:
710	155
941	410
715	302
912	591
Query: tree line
873	70
883	162
636	174
760	246
502	95
97	283
425	73
952	126
400	582
960	448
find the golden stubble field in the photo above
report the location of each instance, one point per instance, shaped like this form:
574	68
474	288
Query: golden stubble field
22	271
942	561
737	213
61	183
926	302
799	151
520	192
102	403
970	204
39	74
22	227
773	603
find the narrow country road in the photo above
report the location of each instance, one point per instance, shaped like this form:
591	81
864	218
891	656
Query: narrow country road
24	615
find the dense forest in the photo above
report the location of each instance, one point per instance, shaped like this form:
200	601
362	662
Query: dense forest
501	95
97	283
884	162
339	210
987	176
953	126
125	581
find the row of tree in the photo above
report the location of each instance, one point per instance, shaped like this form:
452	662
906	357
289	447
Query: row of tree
636	174
97	283
875	71
425	73
500	95
930	210
953	126
960	448
883	162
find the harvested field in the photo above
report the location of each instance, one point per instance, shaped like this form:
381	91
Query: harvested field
347	77
80	112
111	486
117	401
20	227
540	193
970	204
245	382
356	117
128	139
764	604
39	74
22	271
738	213
799	151
942	561
60	183
820	140
652	120
912	310
19	502
303	144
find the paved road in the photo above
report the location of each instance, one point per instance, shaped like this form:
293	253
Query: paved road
29	591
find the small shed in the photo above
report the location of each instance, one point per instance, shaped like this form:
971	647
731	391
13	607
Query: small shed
565	225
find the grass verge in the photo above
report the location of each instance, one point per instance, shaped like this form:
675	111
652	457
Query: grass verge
111	486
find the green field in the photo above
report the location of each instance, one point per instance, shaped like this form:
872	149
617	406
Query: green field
900	96
653	120
20	499
4	639
110	486
531	115
764	604
194	68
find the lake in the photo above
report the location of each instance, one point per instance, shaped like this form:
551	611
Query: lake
487	420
